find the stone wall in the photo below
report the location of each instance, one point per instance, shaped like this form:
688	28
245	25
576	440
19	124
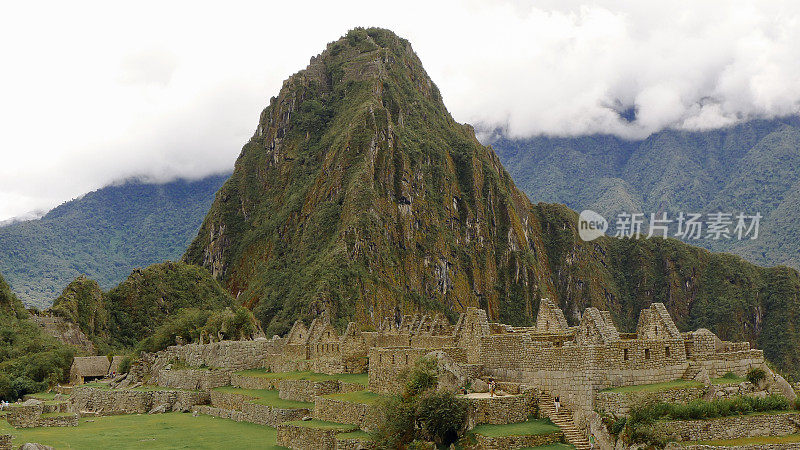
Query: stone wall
306	390
619	403
499	410
367	417
738	362
735	427
24	415
58	420
255	413
306	438
130	401
386	364
245	382
516	442
192	379
235	355
5	441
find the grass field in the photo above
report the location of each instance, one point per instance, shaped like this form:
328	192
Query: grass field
530	426
366	397
265	397
728	379
163	431
677	384
44	396
360	378
552	447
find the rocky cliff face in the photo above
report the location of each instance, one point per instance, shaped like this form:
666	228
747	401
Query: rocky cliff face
360	195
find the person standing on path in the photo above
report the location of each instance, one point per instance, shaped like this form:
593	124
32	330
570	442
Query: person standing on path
557	402
491	387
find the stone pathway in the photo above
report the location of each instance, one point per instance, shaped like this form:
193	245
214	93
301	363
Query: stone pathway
564	420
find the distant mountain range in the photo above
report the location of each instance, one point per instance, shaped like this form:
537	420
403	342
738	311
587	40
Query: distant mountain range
753	167
104	234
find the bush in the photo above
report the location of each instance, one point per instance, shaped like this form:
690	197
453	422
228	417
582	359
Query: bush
755	375
422	377
443	417
397	428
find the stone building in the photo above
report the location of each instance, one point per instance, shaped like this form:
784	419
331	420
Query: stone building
90	368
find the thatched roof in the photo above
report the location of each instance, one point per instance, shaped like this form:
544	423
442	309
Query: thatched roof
90	366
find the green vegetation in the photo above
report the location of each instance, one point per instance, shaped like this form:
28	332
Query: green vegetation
529	427
676	384
30	360
637	429
157	303
359	378
44	395
168	431
191	323
756	375
265	397
422	412
552	447
358	434
761	440
366	397
104	235
728	378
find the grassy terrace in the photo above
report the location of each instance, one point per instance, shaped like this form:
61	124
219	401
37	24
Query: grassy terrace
44	396
357	434
265	397
366	397
761	440
552	447
529	427
167	431
316	423
360	378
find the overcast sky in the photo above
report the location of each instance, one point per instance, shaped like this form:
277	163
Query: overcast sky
95	92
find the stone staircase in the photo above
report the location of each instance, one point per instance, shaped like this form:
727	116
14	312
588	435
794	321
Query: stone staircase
564	420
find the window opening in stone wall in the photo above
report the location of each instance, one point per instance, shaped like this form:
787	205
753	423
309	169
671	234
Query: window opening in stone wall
625	354
647	353
666	351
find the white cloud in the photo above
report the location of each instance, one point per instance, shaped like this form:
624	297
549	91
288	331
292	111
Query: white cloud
93	92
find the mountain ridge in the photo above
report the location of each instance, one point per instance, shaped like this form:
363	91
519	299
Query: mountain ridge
359	195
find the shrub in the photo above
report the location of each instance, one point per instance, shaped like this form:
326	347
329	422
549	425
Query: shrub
422	377
397	428
755	375
442	416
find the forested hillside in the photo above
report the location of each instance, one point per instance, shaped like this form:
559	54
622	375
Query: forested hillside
104	235
753	167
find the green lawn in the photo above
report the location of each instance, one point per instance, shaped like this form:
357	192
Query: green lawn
677	384
360	378
366	397
316	423
44	396
163	431
357	434
728	379
530	426
265	397
761	440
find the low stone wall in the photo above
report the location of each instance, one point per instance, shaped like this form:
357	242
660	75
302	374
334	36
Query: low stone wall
236	355
255	413
24	415
55	407
306	438
367	417
306	390
738	362
619	403
499	410
229	400
246	382
354	444
192	379
129	401
516	442
60	420
735	427
5	441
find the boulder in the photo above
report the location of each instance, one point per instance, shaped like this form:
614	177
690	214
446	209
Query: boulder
160	409
451	377
703	377
479	385
35	446
785	388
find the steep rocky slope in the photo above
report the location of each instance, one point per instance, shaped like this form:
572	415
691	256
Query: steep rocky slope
359	194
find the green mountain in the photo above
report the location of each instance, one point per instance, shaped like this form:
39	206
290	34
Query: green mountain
360	195
134	309
104	235
30	360
752	167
